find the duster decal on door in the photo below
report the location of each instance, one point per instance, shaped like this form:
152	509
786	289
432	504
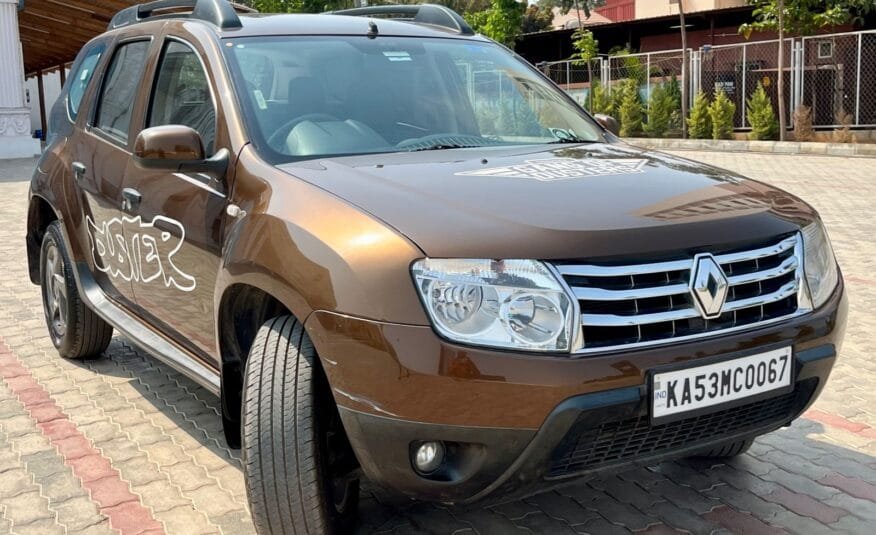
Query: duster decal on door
131	249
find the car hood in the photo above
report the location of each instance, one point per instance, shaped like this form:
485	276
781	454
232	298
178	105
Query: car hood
592	200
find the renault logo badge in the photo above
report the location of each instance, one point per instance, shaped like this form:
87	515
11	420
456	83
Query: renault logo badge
708	286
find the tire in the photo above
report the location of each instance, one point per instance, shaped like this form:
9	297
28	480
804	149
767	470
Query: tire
728	450
297	461
75	329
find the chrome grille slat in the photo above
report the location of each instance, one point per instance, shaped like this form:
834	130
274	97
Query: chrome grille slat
611	320
647	303
599	294
785	245
622	271
787	290
787	266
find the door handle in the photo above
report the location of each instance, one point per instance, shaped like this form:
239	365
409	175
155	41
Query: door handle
130	199
79	171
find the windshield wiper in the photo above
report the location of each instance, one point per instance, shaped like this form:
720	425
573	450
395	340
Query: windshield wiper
567	136
444	146
572	140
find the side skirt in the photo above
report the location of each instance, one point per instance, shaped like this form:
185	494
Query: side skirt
141	335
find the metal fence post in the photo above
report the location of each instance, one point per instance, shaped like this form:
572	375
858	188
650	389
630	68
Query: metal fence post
696	74
648	81
858	89
744	78
568	80
800	74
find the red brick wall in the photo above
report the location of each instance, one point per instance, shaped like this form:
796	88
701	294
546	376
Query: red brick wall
618	10
720	36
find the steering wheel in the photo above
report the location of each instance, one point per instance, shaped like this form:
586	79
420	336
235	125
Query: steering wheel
278	138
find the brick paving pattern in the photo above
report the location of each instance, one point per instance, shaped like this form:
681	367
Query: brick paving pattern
126	444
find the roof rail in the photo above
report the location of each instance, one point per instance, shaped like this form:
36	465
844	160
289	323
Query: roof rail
427	14
220	13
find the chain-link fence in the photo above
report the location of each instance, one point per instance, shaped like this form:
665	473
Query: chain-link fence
575	77
737	70
839	78
834	75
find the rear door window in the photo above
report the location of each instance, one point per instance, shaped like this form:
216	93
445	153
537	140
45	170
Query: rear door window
80	77
119	89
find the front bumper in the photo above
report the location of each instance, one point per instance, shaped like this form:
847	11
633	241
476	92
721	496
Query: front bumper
514	424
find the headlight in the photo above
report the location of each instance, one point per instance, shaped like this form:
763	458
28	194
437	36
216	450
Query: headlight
513	304
819	265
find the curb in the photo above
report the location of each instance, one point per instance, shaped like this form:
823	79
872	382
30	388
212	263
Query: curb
769	147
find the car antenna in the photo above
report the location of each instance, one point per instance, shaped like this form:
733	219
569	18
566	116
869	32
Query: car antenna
372	29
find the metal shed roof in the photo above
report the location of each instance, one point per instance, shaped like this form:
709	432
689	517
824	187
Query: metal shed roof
53	31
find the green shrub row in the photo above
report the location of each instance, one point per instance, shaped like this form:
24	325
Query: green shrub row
706	120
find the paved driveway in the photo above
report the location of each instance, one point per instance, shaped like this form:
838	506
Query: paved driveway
126	443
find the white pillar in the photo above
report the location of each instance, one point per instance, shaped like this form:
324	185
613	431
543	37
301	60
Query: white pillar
15	132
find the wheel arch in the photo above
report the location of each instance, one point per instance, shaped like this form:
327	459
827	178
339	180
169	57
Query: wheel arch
244	306
40	214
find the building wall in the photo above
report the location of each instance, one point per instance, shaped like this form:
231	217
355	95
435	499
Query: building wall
618	10
646	9
51	87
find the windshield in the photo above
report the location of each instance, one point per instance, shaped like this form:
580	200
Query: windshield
313	96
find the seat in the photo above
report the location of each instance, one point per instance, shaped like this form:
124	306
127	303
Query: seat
306	96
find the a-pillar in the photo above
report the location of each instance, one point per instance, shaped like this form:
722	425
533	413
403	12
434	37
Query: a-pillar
15	134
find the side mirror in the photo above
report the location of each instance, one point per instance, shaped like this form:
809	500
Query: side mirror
608	122
177	148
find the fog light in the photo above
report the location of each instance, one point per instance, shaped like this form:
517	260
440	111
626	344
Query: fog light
428	457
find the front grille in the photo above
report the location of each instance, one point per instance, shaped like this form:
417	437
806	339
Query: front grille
588	446
650	303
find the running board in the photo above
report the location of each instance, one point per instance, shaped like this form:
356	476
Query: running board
142	336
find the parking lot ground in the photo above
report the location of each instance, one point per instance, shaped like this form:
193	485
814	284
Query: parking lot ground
126	444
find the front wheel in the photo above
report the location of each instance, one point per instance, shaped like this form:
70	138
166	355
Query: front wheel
298	465
728	450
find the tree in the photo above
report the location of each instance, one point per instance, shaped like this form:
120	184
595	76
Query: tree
501	22
631	110
660	109
684	67
600	101
536	19
566	5
761	116
798	17
721	112
699	123
586	49
587	6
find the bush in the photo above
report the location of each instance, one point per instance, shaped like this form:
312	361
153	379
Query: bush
617	97
844	134
660	112
699	123
721	112
631	110
803	124
602	102
761	116
673	90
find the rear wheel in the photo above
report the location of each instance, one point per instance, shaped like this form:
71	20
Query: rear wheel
76	331
728	450
299	468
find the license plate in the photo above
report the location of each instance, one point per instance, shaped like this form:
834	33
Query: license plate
690	389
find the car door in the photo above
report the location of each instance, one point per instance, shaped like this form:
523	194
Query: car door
100	160
179	215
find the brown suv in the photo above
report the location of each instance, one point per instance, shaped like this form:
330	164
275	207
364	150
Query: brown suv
396	251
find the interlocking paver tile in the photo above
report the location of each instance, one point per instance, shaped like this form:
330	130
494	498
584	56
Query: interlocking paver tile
161	434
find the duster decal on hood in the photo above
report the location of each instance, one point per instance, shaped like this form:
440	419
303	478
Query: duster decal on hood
550	169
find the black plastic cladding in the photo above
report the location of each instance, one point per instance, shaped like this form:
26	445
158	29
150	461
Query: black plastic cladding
220	13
